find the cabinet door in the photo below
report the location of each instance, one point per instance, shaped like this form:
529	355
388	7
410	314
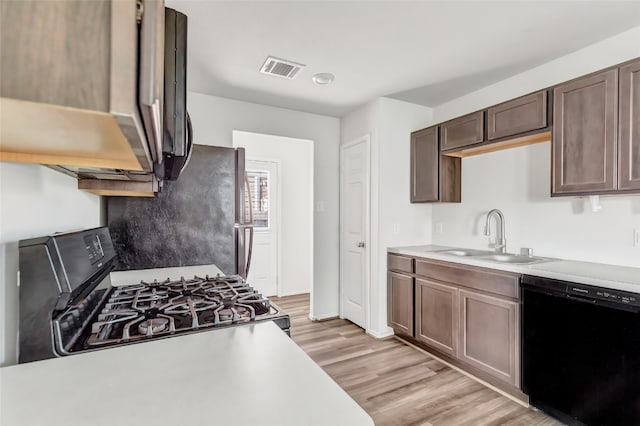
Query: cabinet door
490	335
424	165
585	119
437	315
400	303
517	116
629	139
463	131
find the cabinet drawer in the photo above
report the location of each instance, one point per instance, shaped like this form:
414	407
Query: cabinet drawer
517	116
400	263
462	131
496	282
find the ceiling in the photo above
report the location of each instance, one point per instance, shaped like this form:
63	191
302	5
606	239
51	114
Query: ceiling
426	52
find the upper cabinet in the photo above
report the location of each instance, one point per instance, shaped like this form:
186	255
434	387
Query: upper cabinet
585	121
463	131
434	177
593	123
629	137
518	116
81	83
596	133
517	122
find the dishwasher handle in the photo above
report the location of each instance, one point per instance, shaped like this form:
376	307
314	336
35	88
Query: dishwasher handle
579	298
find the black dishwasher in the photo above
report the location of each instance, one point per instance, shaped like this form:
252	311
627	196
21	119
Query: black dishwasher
581	352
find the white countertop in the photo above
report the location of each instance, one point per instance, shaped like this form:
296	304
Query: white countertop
246	375
624	278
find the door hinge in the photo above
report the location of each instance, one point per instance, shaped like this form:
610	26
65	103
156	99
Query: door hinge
139	11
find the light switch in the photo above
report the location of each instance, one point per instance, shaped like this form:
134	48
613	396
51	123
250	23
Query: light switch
439	228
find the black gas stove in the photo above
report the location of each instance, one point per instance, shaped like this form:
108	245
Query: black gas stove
67	304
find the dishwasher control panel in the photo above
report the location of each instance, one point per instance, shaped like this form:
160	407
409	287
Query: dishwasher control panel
583	292
618	296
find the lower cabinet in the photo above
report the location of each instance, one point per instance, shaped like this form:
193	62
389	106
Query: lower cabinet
468	315
400	303
437	315
489	335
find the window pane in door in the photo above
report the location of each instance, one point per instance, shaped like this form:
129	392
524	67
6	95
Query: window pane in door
259	187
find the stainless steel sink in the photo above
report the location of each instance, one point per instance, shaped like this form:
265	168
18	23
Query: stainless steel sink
465	252
512	258
492	256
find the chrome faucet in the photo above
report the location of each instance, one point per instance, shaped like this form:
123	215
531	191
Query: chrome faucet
501	242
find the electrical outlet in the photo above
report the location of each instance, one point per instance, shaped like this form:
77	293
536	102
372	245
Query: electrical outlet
636	237
396	228
439	228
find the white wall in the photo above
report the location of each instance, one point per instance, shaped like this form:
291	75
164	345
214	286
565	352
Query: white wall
517	180
612	51
34	201
394	220
214	120
296	209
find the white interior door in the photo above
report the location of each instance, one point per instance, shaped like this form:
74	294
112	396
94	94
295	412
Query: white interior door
354	215
263	183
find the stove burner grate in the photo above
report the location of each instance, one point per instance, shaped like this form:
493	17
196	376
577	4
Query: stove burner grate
160	308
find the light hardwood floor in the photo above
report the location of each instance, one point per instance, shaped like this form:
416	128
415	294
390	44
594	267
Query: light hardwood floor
396	383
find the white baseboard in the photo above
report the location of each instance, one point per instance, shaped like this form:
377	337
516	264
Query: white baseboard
382	335
323	317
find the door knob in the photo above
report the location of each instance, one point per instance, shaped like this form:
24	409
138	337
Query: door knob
361	244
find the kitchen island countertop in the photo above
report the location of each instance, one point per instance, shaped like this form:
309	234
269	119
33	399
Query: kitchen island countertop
245	375
625	278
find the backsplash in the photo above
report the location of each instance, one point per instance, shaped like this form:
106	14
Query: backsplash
517	181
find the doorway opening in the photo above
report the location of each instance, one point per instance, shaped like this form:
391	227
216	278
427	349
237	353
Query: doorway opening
280	173
265	199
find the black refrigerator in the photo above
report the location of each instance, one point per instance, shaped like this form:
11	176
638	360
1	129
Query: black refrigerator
202	218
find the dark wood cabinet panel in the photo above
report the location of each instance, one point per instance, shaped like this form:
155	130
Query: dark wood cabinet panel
584	134
433	177
400	263
400	303
42	62
489	335
488	280
437	315
519	115
462	131
424	165
629	137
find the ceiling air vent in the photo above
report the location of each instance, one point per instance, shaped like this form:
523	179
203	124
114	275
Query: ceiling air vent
280	67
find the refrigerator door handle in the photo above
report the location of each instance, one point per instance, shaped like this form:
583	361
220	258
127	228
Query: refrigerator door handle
249	252
248	190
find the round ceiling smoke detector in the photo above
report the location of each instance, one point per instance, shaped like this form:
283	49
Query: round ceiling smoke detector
323	78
